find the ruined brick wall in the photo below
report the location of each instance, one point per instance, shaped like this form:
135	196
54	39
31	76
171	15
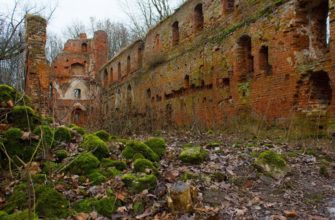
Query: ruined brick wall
213	60
74	92
37	68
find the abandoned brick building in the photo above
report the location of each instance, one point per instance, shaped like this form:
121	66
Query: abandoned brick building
209	62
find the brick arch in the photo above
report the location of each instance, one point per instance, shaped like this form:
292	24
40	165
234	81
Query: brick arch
314	93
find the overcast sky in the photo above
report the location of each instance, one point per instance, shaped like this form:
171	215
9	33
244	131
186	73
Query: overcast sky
69	11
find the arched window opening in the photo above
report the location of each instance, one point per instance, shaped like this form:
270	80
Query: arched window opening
228	5
148	93
128	65
198	18
50	90
84	47
119	71
105	77
76	115
175	33
111	74
77	93
245	60
187	82
77	69
264	64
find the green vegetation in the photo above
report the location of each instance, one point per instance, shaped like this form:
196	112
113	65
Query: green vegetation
84	164
272	164
136	147
158	145
193	154
78	129
46	134
97	146
138	208
50	167
103	135
61	154
96	177
24	117
21	215
63	134
120	165
144	166
106	206
272	158
138	183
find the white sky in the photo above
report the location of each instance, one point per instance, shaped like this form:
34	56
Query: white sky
69	11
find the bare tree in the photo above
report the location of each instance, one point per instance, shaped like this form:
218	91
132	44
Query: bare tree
73	30
54	46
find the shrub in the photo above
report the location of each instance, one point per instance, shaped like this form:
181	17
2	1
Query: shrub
120	165
158	145
23	117
62	134
84	164
144	166
97	146
47	135
193	154
103	135
136	147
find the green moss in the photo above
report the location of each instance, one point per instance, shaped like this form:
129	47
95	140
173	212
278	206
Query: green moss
144	166
61	154
96	177
6	93
78	129
63	134
85	205
21	215
50	167
39	179
2	214
187	176
18	199
111	172
138	208
138	156
138	183
24	117
97	146
103	135
120	165
50	203
214	144
158	145
135	147
16	147
47	135
193	154
272	158
324	171
106	206
85	163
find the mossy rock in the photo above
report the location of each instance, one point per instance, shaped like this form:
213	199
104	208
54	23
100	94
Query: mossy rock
78	129
138	183
15	146
50	203
272	164
62	135
118	164
144	166
111	172
158	145
21	215
24	117
97	146
136	147
105	206
61	155
96	177
193	154
103	135
84	164
47	135
6	93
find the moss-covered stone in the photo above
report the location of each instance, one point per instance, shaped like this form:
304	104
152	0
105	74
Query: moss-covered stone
272	164
16	147
50	203
111	172
63	134
158	145
136	147
84	164
193	154
24	117
46	134
144	166
103	135
21	215
96	177
61	155
6	93
120	165
105	206
138	183
97	146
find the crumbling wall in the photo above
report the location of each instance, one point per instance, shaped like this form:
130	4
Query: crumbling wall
37	68
213	60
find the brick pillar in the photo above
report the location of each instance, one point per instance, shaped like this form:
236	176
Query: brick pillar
37	68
